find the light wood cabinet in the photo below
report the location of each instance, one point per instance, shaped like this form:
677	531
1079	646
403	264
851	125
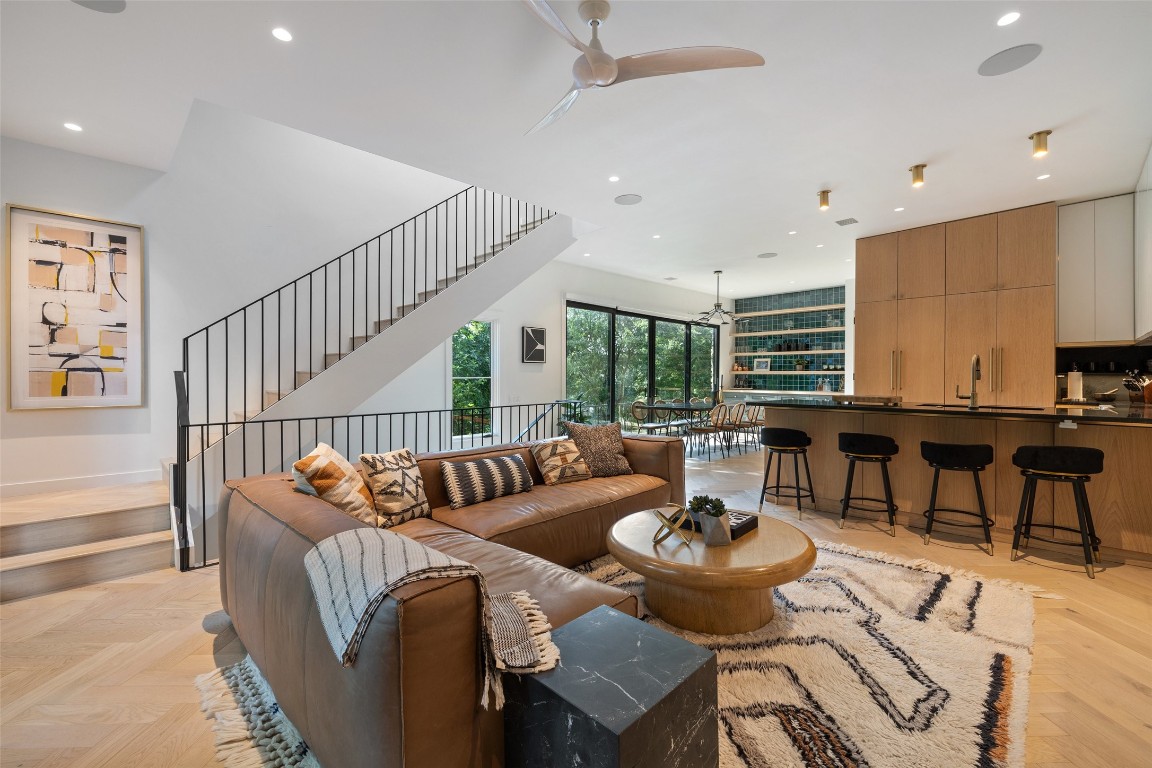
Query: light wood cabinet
970	255
1025	246
876	259
920	349
920	262
1095	299
971	330
876	341
1025	365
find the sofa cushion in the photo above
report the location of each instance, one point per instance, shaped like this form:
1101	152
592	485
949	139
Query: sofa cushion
567	524
471	482
602	447
328	475
563	594
560	461
396	485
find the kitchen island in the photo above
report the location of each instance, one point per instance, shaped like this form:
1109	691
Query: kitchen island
1121	497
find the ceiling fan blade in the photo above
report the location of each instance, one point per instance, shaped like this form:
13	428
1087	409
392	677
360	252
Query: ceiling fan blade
677	60
542	11
558	111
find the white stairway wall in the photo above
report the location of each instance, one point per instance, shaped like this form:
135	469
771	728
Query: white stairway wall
245	206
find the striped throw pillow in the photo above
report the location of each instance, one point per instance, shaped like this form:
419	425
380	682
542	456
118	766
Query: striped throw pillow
471	482
327	474
560	462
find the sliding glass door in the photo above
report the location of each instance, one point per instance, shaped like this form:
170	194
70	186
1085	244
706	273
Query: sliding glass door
617	358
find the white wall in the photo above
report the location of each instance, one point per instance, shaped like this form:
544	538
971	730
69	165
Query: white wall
245	206
540	302
1143	277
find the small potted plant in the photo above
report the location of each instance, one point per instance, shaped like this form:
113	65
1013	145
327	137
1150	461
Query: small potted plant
713	518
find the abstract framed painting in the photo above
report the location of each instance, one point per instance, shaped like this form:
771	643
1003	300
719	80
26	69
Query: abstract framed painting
76	302
534	340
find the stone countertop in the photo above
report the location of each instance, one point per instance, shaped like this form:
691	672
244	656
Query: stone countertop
1119	412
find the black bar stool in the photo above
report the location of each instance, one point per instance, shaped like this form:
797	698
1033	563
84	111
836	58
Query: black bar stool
780	441
875	449
1059	464
955	457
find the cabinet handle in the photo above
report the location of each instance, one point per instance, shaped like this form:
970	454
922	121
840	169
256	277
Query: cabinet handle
892	371
992	369
1000	370
900	370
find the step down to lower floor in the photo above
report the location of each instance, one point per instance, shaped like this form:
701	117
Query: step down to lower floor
67	567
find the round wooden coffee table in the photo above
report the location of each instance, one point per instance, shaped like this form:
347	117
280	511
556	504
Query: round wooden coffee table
718	590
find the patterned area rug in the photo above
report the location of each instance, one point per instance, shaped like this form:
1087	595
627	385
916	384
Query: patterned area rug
873	661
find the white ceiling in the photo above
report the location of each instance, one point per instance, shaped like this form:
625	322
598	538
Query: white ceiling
728	162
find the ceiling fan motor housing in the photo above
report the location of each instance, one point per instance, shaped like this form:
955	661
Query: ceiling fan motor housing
594	11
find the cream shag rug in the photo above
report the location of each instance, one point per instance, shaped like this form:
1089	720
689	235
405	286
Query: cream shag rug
871	661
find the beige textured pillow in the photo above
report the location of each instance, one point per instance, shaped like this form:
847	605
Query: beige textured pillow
396	485
602	447
327	474
560	461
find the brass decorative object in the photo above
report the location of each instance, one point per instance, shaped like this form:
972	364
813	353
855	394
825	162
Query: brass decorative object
670	524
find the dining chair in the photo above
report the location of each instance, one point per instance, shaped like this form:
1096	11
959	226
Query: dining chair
705	430
730	429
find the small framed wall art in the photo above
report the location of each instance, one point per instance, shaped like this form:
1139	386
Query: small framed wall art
533	345
762	364
77	309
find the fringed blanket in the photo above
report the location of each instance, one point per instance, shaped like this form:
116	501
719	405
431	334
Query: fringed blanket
353	571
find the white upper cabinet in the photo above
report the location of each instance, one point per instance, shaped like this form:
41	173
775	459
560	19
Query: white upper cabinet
1095	280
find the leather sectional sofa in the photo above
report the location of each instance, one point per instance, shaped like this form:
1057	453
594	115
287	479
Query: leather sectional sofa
412	698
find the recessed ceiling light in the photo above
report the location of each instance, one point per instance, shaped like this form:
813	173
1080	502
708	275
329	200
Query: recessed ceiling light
1007	19
1009	60
282	35
613	178
766	256
72	127
792	232
897	209
655	237
848	260
791	282
628	199
1043	176
587	254
821	245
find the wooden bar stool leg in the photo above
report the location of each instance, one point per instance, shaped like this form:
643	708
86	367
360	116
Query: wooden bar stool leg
888	498
1082	514
932	505
983	510
847	491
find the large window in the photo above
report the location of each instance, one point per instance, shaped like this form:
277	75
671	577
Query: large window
472	379
616	358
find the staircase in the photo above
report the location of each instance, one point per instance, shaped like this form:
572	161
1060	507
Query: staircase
55	541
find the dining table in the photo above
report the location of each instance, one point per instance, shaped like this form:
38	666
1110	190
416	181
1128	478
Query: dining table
667	416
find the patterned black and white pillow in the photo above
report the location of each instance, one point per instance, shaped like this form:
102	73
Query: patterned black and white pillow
471	482
396	485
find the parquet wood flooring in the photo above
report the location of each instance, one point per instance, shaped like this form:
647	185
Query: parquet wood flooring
102	675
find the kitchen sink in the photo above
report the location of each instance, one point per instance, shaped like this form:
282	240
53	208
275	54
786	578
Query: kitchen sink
961	406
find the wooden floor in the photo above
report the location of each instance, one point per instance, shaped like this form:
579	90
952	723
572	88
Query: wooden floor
102	675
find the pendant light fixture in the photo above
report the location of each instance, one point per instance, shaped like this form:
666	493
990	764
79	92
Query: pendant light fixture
717	310
1040	143
918	174
824	199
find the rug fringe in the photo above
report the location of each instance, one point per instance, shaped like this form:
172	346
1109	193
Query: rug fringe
929	565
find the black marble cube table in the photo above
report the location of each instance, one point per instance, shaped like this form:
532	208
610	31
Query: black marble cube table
626	695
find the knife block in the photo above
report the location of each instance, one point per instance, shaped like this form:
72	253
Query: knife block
1141	397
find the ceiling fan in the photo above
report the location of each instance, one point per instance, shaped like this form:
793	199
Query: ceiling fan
596	69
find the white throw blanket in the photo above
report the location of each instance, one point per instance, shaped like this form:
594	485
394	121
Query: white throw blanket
353	571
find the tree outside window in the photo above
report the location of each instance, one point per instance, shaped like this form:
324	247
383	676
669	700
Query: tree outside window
472	379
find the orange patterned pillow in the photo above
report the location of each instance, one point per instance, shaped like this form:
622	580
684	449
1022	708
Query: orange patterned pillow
328	475
560	462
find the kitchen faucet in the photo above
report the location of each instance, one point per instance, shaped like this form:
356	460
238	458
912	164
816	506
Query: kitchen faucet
971	396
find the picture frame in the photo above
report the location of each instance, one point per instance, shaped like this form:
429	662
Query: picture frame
762	364
76	310
534	345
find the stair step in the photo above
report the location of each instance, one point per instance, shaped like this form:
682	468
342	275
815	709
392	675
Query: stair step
38	573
